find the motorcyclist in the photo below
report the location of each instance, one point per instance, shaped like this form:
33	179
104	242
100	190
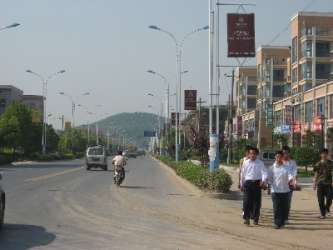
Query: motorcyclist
119	162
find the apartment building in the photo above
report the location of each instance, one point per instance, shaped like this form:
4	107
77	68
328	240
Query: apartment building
8	95
310	105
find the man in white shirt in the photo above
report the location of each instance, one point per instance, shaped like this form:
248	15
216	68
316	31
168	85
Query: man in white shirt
253	177
281	178
292	166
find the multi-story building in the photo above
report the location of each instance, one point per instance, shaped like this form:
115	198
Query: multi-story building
310	105
246	89
8	95
36	103
273	85
245	100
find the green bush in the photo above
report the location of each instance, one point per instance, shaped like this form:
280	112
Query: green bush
305	156
5	159
219	180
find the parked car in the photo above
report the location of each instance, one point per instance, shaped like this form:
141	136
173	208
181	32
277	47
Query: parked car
2	204
96	158
268	157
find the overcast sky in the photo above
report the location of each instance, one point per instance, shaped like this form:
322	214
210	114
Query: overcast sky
106	47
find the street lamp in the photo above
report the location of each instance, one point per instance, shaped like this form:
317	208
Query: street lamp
73	106
14	25
44	93
179	51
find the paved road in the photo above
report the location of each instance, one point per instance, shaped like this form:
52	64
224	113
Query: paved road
62	206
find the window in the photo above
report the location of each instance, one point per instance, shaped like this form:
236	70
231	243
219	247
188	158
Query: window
323	71
307	86
331	106
279	75
287	90
323	49
308	111
278	91
251	103
278	117
307	49
294	75
321	106
306	71
297	113
294	50
251	90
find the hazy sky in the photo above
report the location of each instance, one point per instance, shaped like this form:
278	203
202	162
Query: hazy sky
106	47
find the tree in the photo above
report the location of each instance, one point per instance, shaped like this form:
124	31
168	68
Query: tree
16	128
73	141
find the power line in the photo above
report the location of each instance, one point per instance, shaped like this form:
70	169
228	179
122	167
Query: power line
288	25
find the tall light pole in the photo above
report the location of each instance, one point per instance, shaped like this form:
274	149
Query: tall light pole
159	122
44	93
179	44
73	106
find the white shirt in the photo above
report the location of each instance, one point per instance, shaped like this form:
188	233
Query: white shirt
292	166
253	170
119	160
279	177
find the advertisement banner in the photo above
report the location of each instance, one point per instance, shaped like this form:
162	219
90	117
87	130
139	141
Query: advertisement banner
190	99
288	115
173	118
241	35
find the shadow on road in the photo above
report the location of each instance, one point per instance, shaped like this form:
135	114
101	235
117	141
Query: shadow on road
136	187
22	237
231	195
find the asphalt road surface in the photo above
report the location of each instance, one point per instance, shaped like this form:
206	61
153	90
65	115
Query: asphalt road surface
62	206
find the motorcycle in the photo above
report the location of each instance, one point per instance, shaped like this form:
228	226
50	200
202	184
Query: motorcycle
119	175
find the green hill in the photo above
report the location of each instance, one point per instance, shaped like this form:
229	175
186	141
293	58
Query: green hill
133	124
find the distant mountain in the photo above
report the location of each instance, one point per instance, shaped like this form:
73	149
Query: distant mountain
134	124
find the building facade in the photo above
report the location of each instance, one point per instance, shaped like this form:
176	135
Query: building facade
36	103
8	95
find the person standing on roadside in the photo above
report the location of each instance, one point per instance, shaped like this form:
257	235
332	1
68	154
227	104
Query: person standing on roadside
253	177
292	166
322	182
246	156
281	178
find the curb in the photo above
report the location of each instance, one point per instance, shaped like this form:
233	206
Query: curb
184	182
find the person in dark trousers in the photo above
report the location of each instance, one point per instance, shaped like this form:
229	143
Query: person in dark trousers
292	166
281	178
322	182
253	176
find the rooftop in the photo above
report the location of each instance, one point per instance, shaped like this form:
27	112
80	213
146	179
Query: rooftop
312	13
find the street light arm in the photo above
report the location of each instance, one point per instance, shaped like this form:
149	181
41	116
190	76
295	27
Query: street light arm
36	74
192	33
56	73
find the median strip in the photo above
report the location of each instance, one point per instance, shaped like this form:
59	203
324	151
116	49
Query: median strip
48	176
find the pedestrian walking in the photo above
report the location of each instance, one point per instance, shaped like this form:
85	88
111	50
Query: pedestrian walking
292	166
322	182
280	178
253	176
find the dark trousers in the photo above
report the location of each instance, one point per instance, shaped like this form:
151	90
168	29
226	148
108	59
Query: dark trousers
252	200
280	207
290	196
324	191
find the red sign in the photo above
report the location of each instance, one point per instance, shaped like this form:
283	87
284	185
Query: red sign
190	99
173	118
241	35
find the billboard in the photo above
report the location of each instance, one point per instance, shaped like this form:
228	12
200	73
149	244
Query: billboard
190	99
173	118
149	134
241	35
